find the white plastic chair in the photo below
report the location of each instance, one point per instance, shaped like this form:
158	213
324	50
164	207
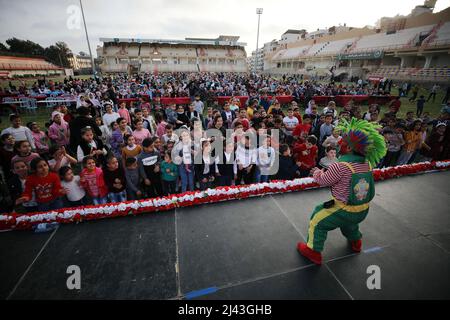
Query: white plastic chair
32	107
25	104
50	105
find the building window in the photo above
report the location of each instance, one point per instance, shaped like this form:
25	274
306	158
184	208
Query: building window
123	60
192	61
221	61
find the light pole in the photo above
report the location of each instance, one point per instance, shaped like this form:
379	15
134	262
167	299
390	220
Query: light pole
87	39
259	12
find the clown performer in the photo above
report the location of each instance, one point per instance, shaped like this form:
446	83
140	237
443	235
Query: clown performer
352	187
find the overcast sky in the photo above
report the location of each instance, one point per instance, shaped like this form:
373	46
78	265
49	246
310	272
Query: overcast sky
48	21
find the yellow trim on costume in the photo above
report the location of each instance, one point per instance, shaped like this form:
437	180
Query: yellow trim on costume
349	166
319	216
351	208
325	213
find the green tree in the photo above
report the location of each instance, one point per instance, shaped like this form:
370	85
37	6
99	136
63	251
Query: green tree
25	47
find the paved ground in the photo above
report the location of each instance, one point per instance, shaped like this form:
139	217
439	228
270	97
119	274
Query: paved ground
242	250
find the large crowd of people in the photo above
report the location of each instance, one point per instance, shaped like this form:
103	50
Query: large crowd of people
103	150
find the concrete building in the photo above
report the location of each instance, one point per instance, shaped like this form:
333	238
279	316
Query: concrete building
80	62
222	54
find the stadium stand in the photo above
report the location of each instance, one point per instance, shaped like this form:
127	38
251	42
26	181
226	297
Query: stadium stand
399	39
442	35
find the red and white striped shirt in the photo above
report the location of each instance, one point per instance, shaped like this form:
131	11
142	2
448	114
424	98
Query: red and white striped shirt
339	176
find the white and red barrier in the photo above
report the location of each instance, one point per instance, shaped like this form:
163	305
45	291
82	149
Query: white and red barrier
86	213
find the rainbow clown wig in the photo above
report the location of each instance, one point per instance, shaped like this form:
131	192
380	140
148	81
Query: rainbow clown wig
362	137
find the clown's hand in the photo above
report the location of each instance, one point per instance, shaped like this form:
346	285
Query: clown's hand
314	170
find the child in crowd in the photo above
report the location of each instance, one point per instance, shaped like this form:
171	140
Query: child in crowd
7	153
138	115
329	158
287	170
75	194
16	186
106	132
140	133
58	132
117	139
90	146
334	140
115	180
413	141
246	157
134	179
265	159
306	155
19	132
110	116
436	143
147	116
169	175
205	166
227	167
161	124
169	135
60	158
149	167
131	150
40	139
290	121
91	179
45	185
171	114
409	120
326	129
394	142
23	152
124	113
184	159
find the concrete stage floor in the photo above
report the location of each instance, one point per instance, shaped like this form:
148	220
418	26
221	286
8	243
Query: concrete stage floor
242	250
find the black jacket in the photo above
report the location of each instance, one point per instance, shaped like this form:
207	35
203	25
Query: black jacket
224	118
75	127
199	167
287	168
226	168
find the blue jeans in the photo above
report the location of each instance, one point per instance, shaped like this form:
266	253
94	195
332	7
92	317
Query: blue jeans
186	177
100	200
118	196
261	177
53	205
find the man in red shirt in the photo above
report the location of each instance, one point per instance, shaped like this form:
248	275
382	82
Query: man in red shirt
306	155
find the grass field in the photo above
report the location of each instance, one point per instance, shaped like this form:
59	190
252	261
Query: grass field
43	115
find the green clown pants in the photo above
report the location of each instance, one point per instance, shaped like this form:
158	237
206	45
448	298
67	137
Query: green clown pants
345	217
